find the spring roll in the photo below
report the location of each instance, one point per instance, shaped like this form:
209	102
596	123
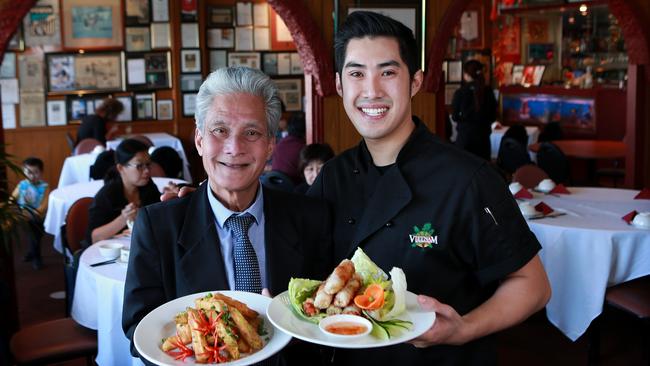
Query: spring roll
345	296
322	299
341	275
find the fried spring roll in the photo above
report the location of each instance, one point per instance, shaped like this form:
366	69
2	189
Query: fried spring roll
322	299
345	296
341	275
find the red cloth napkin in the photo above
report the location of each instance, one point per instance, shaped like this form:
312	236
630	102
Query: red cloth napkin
543	208
560	189
523	194
629	217
643	195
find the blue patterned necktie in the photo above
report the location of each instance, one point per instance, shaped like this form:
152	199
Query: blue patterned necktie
247	270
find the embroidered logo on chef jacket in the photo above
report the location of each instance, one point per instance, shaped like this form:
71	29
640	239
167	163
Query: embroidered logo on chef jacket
423	237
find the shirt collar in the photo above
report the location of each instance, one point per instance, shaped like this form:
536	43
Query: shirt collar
221	213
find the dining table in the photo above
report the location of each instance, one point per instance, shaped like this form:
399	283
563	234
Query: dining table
76	168
97	304
60	200
160	139
587	249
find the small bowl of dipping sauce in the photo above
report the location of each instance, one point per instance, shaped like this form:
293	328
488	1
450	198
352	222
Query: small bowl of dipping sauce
344	326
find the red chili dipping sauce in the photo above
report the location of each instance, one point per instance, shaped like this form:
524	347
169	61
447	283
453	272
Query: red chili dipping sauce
346	328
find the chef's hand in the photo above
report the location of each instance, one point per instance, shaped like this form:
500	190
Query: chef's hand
170	194
447	329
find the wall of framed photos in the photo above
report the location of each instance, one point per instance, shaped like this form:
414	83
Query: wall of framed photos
152	55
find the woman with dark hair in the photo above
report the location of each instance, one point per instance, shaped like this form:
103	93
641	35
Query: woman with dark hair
94	125
474	109
312	159
127	187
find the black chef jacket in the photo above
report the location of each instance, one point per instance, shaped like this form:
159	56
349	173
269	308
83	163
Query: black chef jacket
442	215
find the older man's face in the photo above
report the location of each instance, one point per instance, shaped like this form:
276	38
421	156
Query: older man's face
234	147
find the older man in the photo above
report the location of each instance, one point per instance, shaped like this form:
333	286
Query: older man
192	244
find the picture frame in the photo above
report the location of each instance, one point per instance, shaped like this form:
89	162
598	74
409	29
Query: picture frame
84	73
244	39
284	63
16	42
261	14
189	10
218	59
76	108
148	70
32	109
538	74
541	53
445	71
190	35
8	66
290	92
281	39
9	91
160	36
455	69
261	39
8	116
270	64
220	16
191	82
296	64
145	106
137	12
42	24
31	72
221	37
164	109
56	113
407	14
190	61
127	113
137	39
469	32
244	13
189	104
160	10
92	24
248	59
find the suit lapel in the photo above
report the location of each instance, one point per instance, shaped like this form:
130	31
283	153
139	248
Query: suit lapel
201	266
389	195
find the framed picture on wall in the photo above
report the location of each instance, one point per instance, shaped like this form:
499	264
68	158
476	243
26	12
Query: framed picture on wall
87	72
137	39
220	16
160	10
455	71
92	24
541	53
190	35
42	24
270	64
137	12
190	60
56	113
249	59
160	35
32	110
469	33
148	70
8	66
189	10
165	109
76	108
290	91
145	106
16	42
221	37
127	112
189	104
191	82
218	59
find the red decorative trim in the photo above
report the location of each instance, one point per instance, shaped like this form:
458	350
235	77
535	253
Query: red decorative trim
315	55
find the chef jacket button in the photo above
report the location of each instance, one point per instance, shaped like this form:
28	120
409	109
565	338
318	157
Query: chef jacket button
389	224
351	221
355	171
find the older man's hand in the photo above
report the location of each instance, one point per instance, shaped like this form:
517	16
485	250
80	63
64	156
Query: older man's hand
171	191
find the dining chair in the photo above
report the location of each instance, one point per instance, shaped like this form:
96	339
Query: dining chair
529	175
553	161
86	145
277	180
517	132
512	155
53	341
73	233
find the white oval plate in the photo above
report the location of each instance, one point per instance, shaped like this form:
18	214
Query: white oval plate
159	323
282	315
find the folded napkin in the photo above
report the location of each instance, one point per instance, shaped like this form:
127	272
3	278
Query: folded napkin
629	217
560	189
643	195
523	194
543	208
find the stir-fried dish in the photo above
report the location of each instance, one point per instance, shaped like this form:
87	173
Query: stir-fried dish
218	329
357	286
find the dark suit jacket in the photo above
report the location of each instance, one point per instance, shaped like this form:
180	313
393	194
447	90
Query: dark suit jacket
175	250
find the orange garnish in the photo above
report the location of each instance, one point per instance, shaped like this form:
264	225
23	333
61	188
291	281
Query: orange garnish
372	298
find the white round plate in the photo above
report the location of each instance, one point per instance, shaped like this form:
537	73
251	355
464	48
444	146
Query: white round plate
159	323
282	315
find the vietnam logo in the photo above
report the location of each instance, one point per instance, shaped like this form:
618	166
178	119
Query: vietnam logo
423	238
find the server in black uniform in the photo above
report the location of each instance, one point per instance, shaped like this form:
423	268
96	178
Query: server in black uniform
477	266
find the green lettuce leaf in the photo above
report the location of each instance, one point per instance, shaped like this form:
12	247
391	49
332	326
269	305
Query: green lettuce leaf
299	290
369	271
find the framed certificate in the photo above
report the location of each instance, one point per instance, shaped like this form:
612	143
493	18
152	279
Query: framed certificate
145	106
248	59
190	60
160	10
56	113
165	109
137	39
189	104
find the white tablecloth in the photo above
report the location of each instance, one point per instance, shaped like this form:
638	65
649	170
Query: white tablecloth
97	304
497	135
60	200
162	139
76	169
587	250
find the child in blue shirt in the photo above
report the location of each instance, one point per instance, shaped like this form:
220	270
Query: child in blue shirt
31	196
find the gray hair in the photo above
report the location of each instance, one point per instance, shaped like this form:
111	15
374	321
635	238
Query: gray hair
228	80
